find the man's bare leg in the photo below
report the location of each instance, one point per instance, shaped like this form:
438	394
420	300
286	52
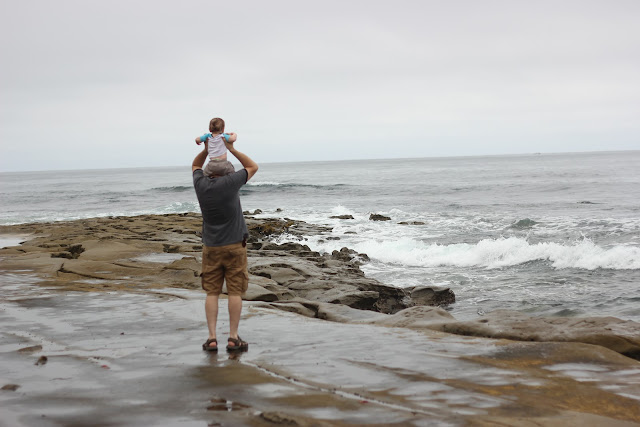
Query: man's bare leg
211	311
235	310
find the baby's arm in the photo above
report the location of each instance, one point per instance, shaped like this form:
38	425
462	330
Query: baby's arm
203	138
233	137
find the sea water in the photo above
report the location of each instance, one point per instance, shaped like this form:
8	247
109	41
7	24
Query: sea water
547	234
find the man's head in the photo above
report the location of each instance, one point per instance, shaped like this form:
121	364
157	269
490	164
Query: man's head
216	125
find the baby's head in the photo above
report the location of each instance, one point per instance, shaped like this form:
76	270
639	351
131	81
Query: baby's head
216	125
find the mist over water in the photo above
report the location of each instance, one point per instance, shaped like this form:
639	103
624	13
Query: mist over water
547	234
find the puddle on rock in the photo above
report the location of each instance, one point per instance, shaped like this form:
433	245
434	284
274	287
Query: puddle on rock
158	257
222	404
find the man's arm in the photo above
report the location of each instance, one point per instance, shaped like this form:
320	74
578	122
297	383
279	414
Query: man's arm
247	163
199	160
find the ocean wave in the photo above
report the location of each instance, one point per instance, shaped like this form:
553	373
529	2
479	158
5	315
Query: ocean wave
278	185
176	207
504	252
173	189
262	183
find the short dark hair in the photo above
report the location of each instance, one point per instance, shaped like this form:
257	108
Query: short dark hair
216	125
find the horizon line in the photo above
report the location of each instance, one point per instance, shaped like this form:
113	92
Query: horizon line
330	160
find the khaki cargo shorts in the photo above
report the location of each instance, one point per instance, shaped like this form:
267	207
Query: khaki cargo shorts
225	263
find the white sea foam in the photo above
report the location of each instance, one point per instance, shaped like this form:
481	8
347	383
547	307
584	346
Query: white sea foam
262	183
341	210
492	253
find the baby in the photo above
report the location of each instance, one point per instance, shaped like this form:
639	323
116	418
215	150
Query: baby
218	164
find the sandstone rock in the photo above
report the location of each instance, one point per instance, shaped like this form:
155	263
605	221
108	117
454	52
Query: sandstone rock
424	295
415	317
258	293
267	227
100	250
363	300
346	314
281	275
378	217
622	336
185	263
292	307
38	262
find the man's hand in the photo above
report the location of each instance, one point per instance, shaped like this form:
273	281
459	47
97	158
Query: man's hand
233	137
247	163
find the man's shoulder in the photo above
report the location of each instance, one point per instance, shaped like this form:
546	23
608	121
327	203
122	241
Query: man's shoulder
197	174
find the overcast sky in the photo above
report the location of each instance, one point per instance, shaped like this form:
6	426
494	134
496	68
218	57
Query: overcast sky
97	84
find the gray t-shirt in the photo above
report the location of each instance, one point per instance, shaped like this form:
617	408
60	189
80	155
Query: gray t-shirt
222	219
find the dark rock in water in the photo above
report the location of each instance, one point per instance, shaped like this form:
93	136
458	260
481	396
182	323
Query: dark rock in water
424	295
350	232
411	223
333	238
41	360
278	210
10	387
31	349
344	254
524	223
378	217
256	212
342	217
586	202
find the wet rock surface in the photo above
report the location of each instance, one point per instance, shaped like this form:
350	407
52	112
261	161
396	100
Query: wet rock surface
618	335
135	359
112	331
164	251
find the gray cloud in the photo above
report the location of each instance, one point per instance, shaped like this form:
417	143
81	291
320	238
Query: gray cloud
113	84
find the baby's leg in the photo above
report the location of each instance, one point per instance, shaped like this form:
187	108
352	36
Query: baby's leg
218	168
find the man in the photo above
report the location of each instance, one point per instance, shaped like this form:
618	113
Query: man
224	237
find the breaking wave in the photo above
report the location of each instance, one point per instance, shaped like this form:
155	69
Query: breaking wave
505	252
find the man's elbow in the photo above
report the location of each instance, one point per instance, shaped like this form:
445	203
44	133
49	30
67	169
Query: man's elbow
251	170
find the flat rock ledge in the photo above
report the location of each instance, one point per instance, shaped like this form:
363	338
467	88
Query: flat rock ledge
148	252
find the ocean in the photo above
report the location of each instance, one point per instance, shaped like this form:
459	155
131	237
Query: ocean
546	234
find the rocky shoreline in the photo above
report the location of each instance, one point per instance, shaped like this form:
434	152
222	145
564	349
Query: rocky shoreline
119	252
163	251
160	255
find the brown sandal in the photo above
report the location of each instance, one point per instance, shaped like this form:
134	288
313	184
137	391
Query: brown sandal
207	347
239	344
